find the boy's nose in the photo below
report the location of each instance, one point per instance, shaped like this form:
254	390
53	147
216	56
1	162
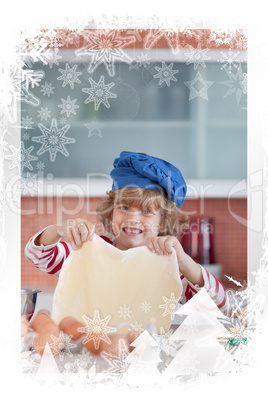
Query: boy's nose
133	220
133	217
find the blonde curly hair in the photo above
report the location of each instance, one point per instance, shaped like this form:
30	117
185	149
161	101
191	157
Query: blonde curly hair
173	221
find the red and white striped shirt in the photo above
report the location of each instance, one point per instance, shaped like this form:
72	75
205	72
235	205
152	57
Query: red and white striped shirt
50	259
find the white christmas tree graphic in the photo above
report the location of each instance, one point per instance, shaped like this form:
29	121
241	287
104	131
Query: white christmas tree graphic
201	351
48	371
143	361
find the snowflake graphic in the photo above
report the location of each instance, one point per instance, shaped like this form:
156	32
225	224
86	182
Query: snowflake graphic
94	128
165	74
135	328
198	87
105	47
32	77
52	38
169	305
35	55
236	84
125	311
225	37
28	97
29	184
143	60
44	113
136	33
133	65
47	89
53	57
11	192
63	120
229	61
117	358
99	93
68	106
40	166
145	307
84	358
72	36
62	345
26	136
241	43
155	35
58	344
83	361
53	140
10	84
21	157
30	361
26	157
69	75
27	122
197	56
96	329
152	320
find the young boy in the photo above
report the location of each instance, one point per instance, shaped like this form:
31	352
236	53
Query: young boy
142	209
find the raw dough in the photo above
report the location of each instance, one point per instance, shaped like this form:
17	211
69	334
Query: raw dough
127	290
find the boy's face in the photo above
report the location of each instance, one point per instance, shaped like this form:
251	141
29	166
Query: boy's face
133	226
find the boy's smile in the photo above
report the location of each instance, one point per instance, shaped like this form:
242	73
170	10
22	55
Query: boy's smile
132	226
132	231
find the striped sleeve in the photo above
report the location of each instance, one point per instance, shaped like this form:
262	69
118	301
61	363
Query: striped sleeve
213	286
48	259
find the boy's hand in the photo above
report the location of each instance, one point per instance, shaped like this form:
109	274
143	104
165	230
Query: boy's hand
163	245
76	231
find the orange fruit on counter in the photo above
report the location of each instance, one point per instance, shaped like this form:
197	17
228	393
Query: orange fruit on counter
73	330
66	322
44	323
49	326
39	320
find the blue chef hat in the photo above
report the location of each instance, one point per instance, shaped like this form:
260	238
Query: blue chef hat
134	169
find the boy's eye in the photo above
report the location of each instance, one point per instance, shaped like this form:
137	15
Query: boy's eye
123	207
146	212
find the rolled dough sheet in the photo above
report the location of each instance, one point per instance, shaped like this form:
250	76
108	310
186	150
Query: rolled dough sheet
115	289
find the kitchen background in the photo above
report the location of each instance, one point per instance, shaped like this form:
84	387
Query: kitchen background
182	97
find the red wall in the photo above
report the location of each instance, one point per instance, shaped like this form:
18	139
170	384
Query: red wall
230	236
